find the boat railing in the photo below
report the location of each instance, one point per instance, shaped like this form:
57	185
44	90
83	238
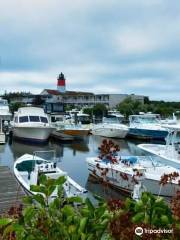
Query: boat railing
49	155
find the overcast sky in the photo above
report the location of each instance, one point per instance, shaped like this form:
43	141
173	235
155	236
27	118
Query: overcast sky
103	46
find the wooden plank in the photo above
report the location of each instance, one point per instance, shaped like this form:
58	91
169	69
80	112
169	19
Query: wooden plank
11	193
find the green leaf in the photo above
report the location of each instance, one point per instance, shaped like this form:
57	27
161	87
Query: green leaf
83	223
51	190
29	213
71	229
43	179
68	210
90	205
164	219
139	217
76	199
35	188
40	199
60	180
5	221
139	206
39	189
85	212
28	200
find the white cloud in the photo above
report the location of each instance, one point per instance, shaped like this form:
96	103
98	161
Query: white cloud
136	42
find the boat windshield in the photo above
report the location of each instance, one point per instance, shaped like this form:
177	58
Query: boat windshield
145	119
44	119
23	119
111	119
34	119
3	102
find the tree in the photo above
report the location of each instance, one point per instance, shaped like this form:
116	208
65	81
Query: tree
99	110
130	106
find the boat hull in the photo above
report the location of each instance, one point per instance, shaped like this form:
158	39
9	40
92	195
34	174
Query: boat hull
2	138
76	132
32	134
109	132
147	133
117	180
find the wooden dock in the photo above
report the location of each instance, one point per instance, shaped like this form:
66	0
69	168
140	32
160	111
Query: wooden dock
11	193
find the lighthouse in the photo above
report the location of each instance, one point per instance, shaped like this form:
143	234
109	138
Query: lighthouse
61	85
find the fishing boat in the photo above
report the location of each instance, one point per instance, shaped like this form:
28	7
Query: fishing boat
110	127
31	124
146	126
134	174
170	152
28	168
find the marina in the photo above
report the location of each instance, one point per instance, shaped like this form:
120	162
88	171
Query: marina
89	120
71	157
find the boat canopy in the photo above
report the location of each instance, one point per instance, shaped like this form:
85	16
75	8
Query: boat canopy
145	118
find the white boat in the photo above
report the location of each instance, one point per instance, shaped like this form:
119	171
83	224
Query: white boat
134	174
78	117
28	168
110	128
31	124
170	121
146	126
170	152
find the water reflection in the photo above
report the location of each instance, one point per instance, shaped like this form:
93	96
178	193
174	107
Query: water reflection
72	158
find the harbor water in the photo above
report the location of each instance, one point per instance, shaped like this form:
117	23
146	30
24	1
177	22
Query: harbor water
71	158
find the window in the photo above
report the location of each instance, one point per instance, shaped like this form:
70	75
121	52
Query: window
44	119
23	119
34	118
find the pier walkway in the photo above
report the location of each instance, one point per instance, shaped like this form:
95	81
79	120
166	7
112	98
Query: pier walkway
11	193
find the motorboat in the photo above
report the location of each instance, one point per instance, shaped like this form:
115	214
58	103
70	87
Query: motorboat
78	117
28	168
31	124
134	174
170	121
146	126
75	130
170	152
110	127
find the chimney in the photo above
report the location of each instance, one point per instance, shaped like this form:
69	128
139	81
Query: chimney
61	85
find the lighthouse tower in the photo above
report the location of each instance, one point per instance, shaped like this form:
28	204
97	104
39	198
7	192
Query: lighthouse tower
61	85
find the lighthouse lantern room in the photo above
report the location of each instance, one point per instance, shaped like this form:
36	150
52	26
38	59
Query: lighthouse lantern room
61	83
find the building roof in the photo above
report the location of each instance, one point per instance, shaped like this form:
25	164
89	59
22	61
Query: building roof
72	93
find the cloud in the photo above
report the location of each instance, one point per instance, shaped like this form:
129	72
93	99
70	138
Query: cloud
101	46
